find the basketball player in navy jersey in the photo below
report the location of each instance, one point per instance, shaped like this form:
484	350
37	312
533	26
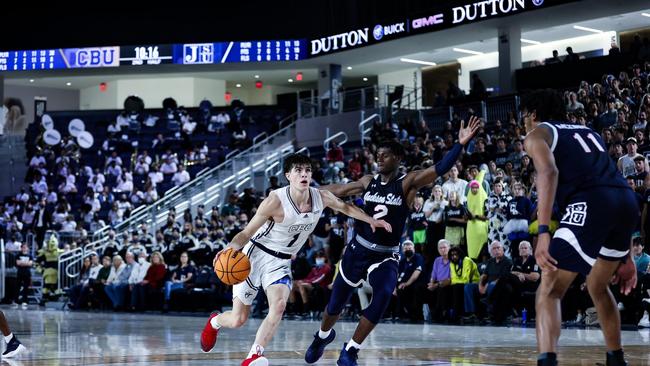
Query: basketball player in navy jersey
599	215
373	256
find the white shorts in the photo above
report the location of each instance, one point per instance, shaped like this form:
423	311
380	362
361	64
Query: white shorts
265	270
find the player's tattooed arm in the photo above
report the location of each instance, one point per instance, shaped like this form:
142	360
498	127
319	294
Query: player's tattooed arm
350	189
330	200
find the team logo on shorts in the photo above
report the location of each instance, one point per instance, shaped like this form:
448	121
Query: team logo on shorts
576	214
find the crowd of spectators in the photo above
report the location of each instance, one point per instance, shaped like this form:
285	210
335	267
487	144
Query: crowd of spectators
468	248
67	192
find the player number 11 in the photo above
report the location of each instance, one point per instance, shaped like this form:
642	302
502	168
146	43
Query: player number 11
584	145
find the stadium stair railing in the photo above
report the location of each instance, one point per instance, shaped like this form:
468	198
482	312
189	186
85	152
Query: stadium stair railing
209	187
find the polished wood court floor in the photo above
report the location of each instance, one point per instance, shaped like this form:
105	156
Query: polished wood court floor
84	338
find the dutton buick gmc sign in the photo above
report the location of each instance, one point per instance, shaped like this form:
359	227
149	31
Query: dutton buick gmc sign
339	41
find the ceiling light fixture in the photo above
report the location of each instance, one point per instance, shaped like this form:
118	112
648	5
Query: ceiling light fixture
523	40
238	85
257	76
462	50
31	80
592	30
419	62
290	80
365	79
349	67
68	83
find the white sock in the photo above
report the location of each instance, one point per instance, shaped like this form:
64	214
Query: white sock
215	324
352	343
8	337
256	349
323	334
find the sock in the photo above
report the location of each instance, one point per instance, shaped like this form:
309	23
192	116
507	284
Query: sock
352	343
215	324
548	358
255	350
323	334
8	337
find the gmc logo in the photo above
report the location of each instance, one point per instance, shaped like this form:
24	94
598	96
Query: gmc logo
425	22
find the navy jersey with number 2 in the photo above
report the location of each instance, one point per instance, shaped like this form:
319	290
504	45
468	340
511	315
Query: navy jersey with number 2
384	201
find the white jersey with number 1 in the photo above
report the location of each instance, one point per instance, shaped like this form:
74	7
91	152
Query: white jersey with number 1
286	237
294	230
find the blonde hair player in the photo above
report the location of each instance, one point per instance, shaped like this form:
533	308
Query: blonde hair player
282	224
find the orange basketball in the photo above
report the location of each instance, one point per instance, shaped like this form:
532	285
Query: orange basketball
232	267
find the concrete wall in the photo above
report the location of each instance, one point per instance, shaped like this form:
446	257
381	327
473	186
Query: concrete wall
93	98
187	91
250	95
57	99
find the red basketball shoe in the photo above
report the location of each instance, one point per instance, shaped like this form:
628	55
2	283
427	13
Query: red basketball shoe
255	360
209	335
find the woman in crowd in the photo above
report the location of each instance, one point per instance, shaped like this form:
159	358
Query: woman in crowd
455	220
151	284
477	224
182	277
434	209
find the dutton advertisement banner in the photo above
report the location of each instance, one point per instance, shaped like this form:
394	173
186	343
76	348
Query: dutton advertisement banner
452	14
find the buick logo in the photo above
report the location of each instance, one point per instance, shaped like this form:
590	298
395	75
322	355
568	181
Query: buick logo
378	32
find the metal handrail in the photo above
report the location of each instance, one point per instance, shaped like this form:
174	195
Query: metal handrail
326	143
304	150
270	168
362	124
199	182
290	119
232	153
259	135
65	260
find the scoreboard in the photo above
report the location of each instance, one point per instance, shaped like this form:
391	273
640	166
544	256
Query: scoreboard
253	51
139	55
63	58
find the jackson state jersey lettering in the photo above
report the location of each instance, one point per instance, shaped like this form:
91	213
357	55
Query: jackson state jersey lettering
582	161
384	201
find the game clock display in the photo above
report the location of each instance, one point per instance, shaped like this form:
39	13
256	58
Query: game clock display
140	55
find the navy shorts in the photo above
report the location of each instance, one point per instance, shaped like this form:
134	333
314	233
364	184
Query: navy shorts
597	222
358	262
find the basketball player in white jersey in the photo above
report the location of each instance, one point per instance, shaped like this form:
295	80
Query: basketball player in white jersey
282	224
